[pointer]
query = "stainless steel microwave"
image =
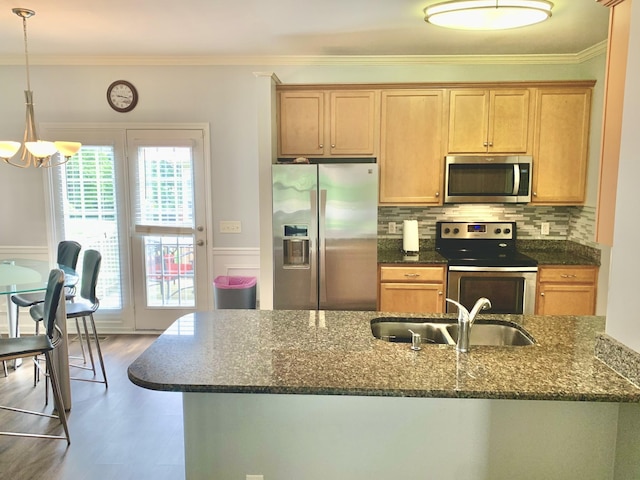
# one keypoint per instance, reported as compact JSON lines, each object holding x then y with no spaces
{"x":495,"y":179}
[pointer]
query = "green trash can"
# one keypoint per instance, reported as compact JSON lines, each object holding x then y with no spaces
{"x":234,"y":292}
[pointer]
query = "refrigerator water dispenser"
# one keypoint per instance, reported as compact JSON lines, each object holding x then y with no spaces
{"x":295,"y":246}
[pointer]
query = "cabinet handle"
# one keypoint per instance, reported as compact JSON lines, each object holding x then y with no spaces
{"x":333,"y":145}
{"x":486,"y":144}
{"x":411,"y":275}
{"x":542,"y":294}
{"x":564,"y":275}
{"x":491,"y":144}
{"x":437,"y":194}
{"x":439,"y":293}
{"x":535,"y":194}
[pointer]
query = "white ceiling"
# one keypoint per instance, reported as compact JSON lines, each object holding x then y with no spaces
{"x":216,"y":28}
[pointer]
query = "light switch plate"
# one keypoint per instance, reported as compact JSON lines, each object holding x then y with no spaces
{"x":392,"y":227}
{"x":229,"y":226}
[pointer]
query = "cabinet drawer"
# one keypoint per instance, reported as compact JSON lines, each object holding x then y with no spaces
{"x":411,"y":274}
{"x":564,"y":274}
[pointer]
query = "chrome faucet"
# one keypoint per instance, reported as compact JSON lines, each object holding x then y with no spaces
{"x":466,"y":319}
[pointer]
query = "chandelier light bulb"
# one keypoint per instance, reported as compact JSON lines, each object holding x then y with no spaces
{"x":67,"y":149}
{"x":41,"y":148}
{"x":8,"y":149}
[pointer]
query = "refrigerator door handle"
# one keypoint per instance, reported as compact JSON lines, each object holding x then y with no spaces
{"x":322,"y":241}
{"x":314,"y":244}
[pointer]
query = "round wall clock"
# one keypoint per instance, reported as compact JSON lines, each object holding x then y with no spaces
{"x":122,"y":96}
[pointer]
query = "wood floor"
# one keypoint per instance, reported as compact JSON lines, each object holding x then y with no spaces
{"x":123,"y":432}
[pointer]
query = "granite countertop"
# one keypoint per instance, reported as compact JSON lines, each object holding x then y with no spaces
{"x":546,"y":252}
{"x":334,"y":353}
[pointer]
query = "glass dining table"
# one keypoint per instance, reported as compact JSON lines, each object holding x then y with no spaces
{"x":20,"y":275}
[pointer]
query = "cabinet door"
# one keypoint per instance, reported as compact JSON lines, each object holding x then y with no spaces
{"x":411,"y":148}
{"x":353,"y":122}
{"x":567,"y":290}
{"x":468,"y":121}
{"x":301,"y":123}
{"x":560,"y":145}
{"x":489,"y":121}
{"x":508,"y":121}
{"x":412,"y":297}
{"x":566,"y":299}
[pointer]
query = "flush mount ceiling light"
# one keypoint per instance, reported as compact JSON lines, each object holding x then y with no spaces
{"x":35,"y":152}
{"x":488,"y":14}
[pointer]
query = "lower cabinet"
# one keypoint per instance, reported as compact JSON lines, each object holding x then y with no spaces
{"x":566,"y":290}
{"x":411,"y":289}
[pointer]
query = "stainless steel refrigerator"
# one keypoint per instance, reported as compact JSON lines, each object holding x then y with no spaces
{"x":325,"y":221}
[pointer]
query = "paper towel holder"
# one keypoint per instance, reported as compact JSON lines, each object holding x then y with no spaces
{"x":410,"y":238}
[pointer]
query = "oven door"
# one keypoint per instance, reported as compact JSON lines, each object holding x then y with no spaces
{"x":511,"y":290}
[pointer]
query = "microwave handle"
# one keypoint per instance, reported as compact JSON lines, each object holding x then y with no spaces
{"x":516,"y":179}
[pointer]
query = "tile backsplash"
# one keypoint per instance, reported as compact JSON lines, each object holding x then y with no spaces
{"x":565,"y":223}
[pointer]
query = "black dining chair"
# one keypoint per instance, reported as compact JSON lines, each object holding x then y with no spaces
{"x":83,"y":306}
{"x":34,"y":345}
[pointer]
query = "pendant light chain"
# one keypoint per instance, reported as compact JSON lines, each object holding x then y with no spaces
{"x":26,"y":50}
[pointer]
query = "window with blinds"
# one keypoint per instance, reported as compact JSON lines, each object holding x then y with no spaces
{"x":87,"y":190}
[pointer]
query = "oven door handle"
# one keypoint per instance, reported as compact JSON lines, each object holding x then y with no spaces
{"x":459,"y":268}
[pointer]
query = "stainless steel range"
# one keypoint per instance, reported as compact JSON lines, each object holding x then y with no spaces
{"x":483,"y":262}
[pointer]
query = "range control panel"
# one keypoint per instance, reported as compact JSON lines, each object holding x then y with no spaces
{"x":476,"y":230}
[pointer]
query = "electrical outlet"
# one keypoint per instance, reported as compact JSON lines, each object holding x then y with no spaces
{"x":392,"y":227}
{"x":544,"y":228}
{"x":255,"y":477}
{"x":228,"y":226}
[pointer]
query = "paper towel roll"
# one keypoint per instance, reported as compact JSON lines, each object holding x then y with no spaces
{"x":410,"y":237}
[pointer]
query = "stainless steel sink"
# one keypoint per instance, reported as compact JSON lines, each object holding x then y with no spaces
{"x":393,"y":329}
{"x":444,"y":332}
{"x":495,"y":334}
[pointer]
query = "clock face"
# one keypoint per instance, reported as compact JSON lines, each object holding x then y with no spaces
{"x":122,"y":96}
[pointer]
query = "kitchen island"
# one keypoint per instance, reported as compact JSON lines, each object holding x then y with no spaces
{"x":328,"y":400}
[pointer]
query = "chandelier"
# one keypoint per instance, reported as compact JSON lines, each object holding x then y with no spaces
{"x":35,"y":152}
{"x":488,"y":14}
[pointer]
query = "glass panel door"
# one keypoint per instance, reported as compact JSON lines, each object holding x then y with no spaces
{"x":169,"y":270}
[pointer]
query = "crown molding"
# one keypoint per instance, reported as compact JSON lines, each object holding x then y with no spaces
{"x":280,"y":60}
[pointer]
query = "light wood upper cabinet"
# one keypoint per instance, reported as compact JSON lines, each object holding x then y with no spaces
{"x":489,"y":121}
{"x":328,"y":123}
{"x":561,"y":141}
{"x":567,"y":290}
{"x":411,"y":146}
{"x":353,"y":121}
{"x":301,"y":123}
